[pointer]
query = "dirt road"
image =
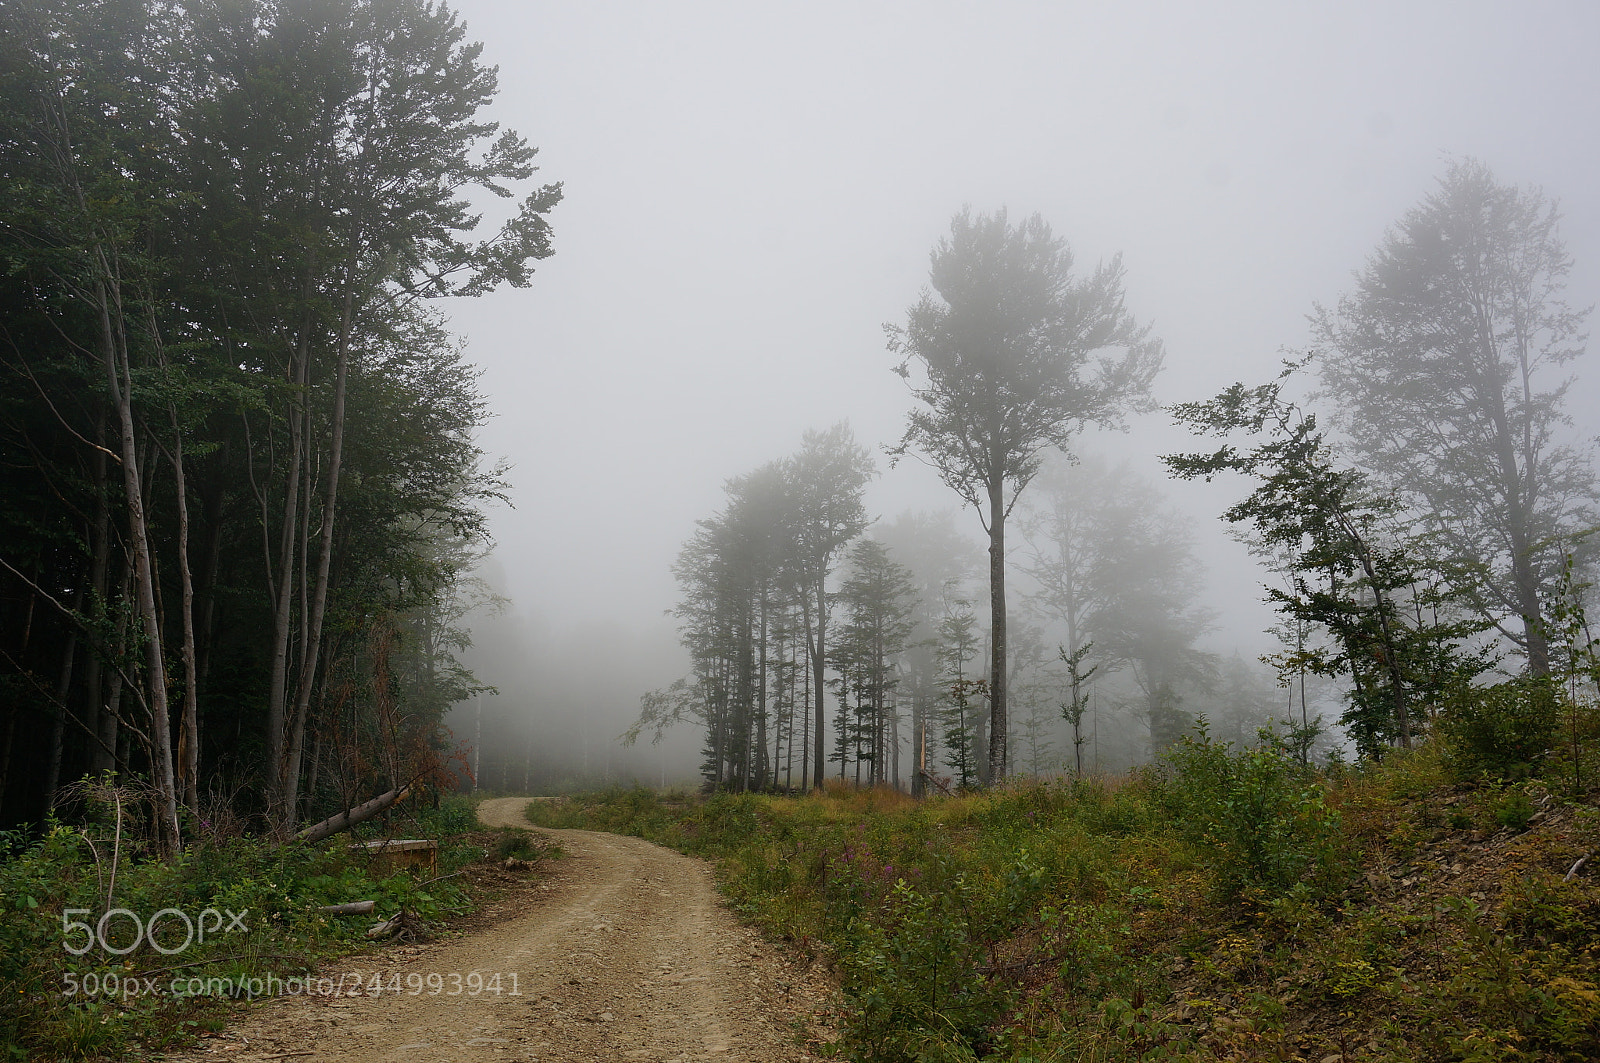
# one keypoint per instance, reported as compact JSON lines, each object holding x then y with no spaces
{"x":623,"y":953}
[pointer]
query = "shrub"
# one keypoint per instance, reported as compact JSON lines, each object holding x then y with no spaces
{"x":277,"y":889}
{"x":1266,"y":822}
{"x":911,"y":976}
{"x":1500,"y":730}
{"x":1514,"y":811}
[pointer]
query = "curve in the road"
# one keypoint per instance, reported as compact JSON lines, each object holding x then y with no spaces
{"x":625,"y":953}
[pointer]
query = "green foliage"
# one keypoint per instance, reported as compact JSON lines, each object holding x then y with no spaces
{"x":936,"y":913}
{"x":1514,"y":811}
{"x":1265,"y":821}
{"x":1482,"y":464}
{"x":1354,"y":573}
{"x":516,"y":844}
{"x":1009,"y":353}
{"x":910,"y":974}
{"x":1502,"y":729}
{"x":257,"y":289}
{"x":754,"y":581}
{"x":620,"y":810}
{"x":277,"y":890}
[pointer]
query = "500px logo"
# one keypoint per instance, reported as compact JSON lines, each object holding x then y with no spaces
{"x":193,"y":929}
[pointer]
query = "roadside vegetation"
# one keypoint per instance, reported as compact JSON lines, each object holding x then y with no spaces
{"x":1224,"y":903}
{"x":72,"y":987}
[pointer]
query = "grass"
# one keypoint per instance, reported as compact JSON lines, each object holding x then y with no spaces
{"x":106,"y":1004}
{"x":1224,"y":905}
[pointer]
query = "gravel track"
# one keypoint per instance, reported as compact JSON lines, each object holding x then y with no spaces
{"x":624,"y":952}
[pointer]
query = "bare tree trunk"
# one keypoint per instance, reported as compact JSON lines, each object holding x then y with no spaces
{"x":316,"y":750}
{"x":919,"y":740}
{"x":819,"y":753}
{"x":206,"y":620}
{"x":997,"y":631}
{"x":119,"y":378}
{"x":894,"y":735}
{"x":283,"y":599}
{"x":345,"y":820}
{"x":102,"y":753}
{"x":319,"y":735}
{"x":58,"y":715}
{"x":805,"y":710}
{"x":294,"y":719}
{"x":189,"y":729}
{"x":111,"y":733}
{"x":759,"y":770}
{"x":319,"y":597}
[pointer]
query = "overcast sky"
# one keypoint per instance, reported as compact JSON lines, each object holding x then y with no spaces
{"x":752,"y":191}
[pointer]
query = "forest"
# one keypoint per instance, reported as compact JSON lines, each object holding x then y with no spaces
{"x":242,"y":495}
{"x":245,"y":503}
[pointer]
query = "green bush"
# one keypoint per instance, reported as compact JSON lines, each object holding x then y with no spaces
{"x":1514,"y":810}
{"x":1501,"y":730}
{"x":515,"y":844}
{"x":910,"y":976}
{"x":276,"y":888}
{"x":1265,"y":821}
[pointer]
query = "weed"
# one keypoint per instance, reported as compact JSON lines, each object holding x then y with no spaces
{"x":1204,"y":909}
{"x":516,"y":844}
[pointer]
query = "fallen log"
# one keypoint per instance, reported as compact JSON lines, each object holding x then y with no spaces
{"x":345,"y":820}
{"x":353,"y":908}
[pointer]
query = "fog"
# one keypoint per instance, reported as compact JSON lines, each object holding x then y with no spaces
{"x":752,"y":191}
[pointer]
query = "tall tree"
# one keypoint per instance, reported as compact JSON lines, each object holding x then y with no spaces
{"x":1352,"y":573}
{"x":725,"y":572}
{"x":745,"y":575}
{"x":1115,"y":566}
{"x":83,"y":207}
{"x":827,"y":479}
{"x":348,"y":133}
{"x":1155,"y":623}
{"x":958,"y":644}
{"x":1064,"y":547}
{"x":1013,"y":353}
{"x":878,"y":597}
{"x":942,"y":562}
{"x":1446,"y":367}
{"x":254,"y":440}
